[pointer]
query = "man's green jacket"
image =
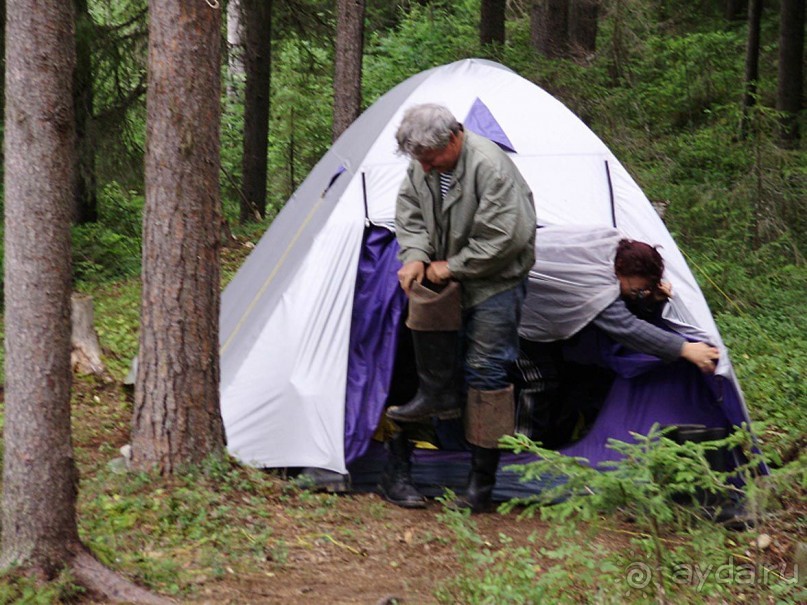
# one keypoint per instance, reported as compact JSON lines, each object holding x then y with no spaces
{"x":484,"y":228}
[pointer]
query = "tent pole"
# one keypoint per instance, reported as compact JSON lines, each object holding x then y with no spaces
{"x":364,"y":196}
{"x":611,"y":194}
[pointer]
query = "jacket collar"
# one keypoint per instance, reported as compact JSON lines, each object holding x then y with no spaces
{"x":432,"y":178}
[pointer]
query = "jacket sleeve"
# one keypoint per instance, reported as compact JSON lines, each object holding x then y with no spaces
{"x":410,"y":227}
{"x":501,"y":229}
{"x":630,"y":331}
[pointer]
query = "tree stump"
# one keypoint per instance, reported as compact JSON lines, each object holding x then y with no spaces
{"x":85,"y":355}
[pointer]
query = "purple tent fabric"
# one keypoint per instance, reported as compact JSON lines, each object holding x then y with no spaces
{"x":481,"y":121}
{"x":645,"y":391}
{"x":378,"y":305}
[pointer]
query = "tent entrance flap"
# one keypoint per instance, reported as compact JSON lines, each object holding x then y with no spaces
{"x":378,"y":308}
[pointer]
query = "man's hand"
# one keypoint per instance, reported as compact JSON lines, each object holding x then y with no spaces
{"x":438,"y":272}
{"x":413,"y":271}
{"x":702,"y":355}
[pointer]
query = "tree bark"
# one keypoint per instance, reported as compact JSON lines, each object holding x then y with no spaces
{"x":734,"y":10}
{"x":583,"y":21}
{"x":347,"y":64}
{"x":491,"y":22}
{"x":39,"y":475}
{"x":789,"y":94}
{"x":176,"y":418}
{"x":2,"y":52}
{"x":235,"y":47}
{"x":257,"y":62}
{"x":549,"y":26}
{"x":86,"y":201}
{"x":751,"y":62}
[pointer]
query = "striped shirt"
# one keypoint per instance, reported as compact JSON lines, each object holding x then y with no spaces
{"x":445,"y":182}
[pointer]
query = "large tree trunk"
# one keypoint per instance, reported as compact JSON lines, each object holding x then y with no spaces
{"x":39,"y":474}
{"x":491,"y":22}
{"x":2,"y":52}
{"x":347,"y":64}
{"x":86,"y":203}
{"x":791,"y":56}
{"x":549,"y":26}
{"x":751,"y":62}
{"x":176,"y":416}
{"x":583,"y":20}
{"x":257,"y":62}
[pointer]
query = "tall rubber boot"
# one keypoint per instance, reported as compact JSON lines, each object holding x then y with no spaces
{"x":396,"y":481}
{"x":435,"y":320}
{"x":438,"y":371}
{"x":479,"y":493}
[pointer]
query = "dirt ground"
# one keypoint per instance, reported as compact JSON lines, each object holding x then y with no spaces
{"x":395,"y":556}
{"x":361,"y":550}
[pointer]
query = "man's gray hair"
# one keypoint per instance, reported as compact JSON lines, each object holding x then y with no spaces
{"x":424,"y":128}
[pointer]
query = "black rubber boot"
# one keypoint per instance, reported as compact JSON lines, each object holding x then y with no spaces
{"x":438,"y":372}
{"x":396,"y":481}
{"x":725,"y":508}
{"x":479,"y":493}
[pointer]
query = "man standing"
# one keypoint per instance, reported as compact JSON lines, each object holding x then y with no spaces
{"x":465,"y":214}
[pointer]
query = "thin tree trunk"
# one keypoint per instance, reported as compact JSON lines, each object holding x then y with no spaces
{"x":751,"y":62}
{"x":549,"y":25}
{"x":347,"y":64}
{"x":235,"y":47}
{"x":789,"y":94}
{"x":39,"y":475}
{"x":583,"y":21}
{"x":86,"y":202}
{"x":257,"y":61}
{"x":734,"y":10}
{"x":176,"y":418}
{"x":491,"y":22}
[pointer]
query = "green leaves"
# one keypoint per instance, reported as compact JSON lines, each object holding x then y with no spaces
{"x":633,"y":532}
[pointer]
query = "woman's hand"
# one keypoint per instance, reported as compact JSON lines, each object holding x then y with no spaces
{"x":702,"y":355}
{"x":663,"y":291}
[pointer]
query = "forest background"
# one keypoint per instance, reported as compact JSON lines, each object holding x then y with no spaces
{"x":665,"y":85}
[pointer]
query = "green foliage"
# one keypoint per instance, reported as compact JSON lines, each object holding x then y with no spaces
{"x":489,"y":574}
{"x":23,"y":590}
{"x":135,"y":523}
{"x":301,"y":108}
{"x":210,"y":521}
{"x":673,"y":553}
{"x":119,"y":47}
{"x":109,"y":248}
{"x":117,"y":317}
{"x":677,"y":80}
{"x":425,"y":37}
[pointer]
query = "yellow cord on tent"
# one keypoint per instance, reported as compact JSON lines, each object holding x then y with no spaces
{"x":774,"y":345}
{"x":711,"y":282}
{"x":272,"y":275}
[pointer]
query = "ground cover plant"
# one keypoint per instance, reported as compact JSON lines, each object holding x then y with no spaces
{"x":223,"y":533}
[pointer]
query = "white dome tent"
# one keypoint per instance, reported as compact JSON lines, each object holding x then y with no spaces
{"x":299,"y":386}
